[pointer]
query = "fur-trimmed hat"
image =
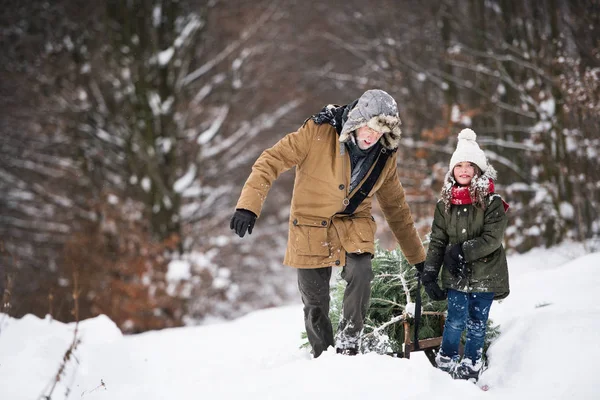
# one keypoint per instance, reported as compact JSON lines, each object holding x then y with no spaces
{"x":379,"y":111}
{"x":467,"y":149}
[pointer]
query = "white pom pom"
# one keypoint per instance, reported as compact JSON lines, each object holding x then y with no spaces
{"x":467,"y":134}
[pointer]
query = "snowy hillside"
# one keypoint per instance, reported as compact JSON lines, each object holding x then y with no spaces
{"x":548,"y":349}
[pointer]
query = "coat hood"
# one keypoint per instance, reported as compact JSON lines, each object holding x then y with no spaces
{"x":479,"y":188}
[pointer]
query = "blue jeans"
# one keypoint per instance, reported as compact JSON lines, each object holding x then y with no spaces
{"x":470,"y":311}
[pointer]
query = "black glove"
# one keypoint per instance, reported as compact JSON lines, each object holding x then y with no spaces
{"x":454,"y":260}
{"x":419,"y":267}
{"x":241,"y":221}
{"x":434,"y":291}
{"x":429,"y":274}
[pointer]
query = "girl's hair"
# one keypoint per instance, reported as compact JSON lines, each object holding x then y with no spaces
{"x":479,"y":188}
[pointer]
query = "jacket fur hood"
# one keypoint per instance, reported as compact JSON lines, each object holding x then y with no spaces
{"x":338,"y":117}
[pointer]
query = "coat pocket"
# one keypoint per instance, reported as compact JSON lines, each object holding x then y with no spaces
{"x":308,"y":236}
{"x":362,"y":230}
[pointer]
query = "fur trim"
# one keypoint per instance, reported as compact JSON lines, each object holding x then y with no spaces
{"x":377,"y":110}
{"x":479,"y":188}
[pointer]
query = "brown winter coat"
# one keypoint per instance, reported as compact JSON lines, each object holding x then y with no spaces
{"x":318,"y":235}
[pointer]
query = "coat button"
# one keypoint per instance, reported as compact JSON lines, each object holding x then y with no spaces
{"x":324,"y":223}
{"x":337,"y":262}
{"x":295,"y":222}
{"x":342,"y":187}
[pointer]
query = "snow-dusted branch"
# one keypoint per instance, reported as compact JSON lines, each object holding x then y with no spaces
{"x":206,"y":136}
{"x":502,"y":58}
{"x":402,"y":277}
{"x":393,"y":303}
{"x":245,"y":35}
{"x":248,"y":130}
{"x":495,"y":73}
{"x":382,"y":327}
{"x":353,"y":49}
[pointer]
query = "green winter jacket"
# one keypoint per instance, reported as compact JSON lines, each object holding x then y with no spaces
{"x":481,"y":233}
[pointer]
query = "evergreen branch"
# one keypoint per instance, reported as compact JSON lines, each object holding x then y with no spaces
{"x":388,"y":302}
{"x":406,"y":289}
{"x":387,"y":276}
{"x":392,"y":321}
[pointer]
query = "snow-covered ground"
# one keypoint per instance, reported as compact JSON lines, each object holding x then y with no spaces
{"x":548,"y":349}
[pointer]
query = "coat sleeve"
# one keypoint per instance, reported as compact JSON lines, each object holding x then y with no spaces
{"x":490,"y":240}
{"x":288,"y":152}
{"x":393,"y":203}
{"x":438,"y":239}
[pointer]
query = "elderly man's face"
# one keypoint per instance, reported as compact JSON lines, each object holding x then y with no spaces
{"x":367,"y":137}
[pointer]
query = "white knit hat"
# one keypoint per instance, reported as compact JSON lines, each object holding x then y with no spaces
{"x":467,"y":149}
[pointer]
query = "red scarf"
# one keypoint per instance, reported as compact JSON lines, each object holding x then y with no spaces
{"x":461,"y":195}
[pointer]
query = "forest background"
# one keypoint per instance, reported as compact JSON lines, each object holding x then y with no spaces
{"x":127,"y":129}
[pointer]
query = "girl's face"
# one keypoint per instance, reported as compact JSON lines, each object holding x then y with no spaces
{"x":464,"y":173}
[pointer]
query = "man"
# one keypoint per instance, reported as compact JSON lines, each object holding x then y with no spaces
{"x":343,"y":156}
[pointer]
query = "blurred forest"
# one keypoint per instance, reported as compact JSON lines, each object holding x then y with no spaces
{"x":129,"y":127}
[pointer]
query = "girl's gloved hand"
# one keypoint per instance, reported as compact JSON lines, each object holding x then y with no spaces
{"x":454,"y":261}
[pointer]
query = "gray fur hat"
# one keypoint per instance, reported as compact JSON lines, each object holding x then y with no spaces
{"x":379,"y":111}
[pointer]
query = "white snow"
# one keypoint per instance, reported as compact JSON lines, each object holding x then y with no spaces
{"x":146,"y":184}
{"x":455,"y":113}
{"x":547,"y":108}
{"x":112,"y":199}
{"x":548,"y":349}
{"x":186,"y":180}
{"x":501,"y":89}
{"x":214,"y":128}
{"x":567,"y":211}
{"x":156,"y":16}
{"x":178,"y":270}
{"x":165,"y":56}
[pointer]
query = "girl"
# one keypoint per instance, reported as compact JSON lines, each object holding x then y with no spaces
{"x":466,"y":238}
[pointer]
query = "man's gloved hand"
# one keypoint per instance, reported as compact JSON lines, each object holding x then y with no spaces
{"x":420,"y":266}
{"x":429,"y":274}
{"x":454,"y":260}
{"x":241,"y":221}
{"x":434,"y":291}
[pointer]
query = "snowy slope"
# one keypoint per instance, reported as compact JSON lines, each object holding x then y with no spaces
{"x":547,"y":350}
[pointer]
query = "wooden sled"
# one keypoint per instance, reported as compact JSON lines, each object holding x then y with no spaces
{"x":429,"y":346}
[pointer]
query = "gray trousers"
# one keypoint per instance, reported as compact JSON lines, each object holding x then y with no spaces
{"x":314,"y":290}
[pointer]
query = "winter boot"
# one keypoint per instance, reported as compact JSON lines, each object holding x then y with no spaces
{"x":348,"y":351}
{"x":468,"y":370}
{"x":446,"y":363}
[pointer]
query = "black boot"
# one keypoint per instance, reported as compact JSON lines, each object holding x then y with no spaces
{"x":348,"y":351}
{"x":468,"y":370}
